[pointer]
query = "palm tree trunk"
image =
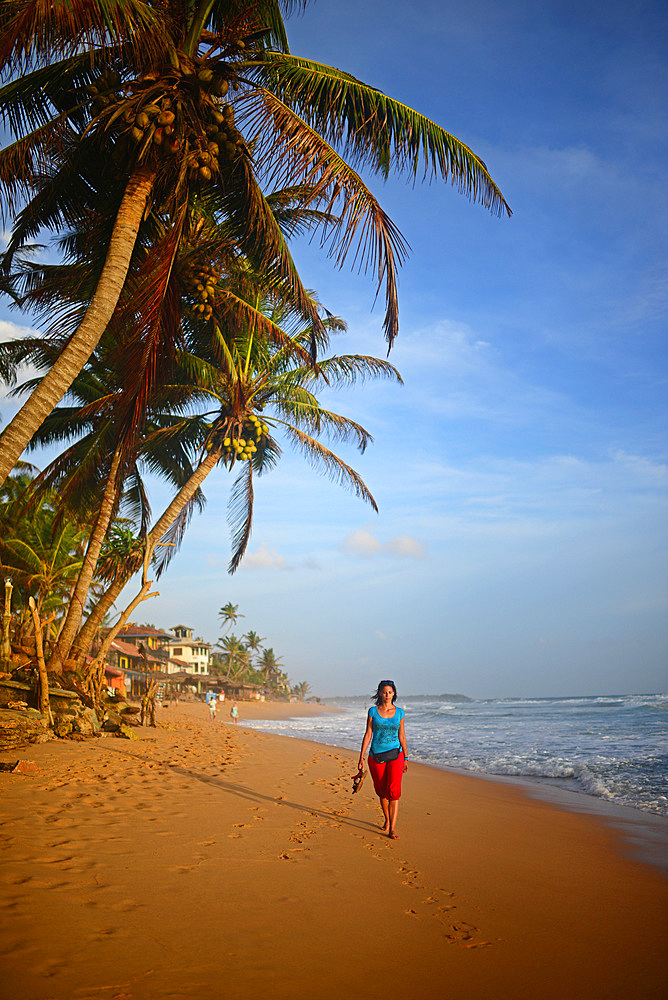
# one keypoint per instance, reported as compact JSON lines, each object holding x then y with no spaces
{"x":96,"y":668}
{"x":44,"y":705}
{"x":83,"y":342}
{"x":78,"y":598}
{"x":86,"y":635}
{"x":185,"y":494}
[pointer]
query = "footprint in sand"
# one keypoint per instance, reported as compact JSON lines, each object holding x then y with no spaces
{"x":462,"y":934}
{"x":126,"y":905}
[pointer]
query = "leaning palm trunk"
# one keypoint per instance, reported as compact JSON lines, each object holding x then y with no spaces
{"x":86,"y":636}
{"x":185,"y":494}
{"x":95,"y":671}
{"x":83,"y":342}
{"x":78,"y":597}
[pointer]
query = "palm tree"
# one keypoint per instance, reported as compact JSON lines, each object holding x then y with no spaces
{"x":42,"y":552}
{"x":236,"y":656}
{"x":260,"y":388}
{"x":269,"y":665}
{"x":253,"y":641}
{"x":229,"y":614}
{"x":301,"y":690}
{"x":143,"y":107}
{"x":101,"y":468}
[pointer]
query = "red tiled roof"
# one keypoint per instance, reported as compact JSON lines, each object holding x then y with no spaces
{"x":144,"y":630}
{"x":128,"y":649}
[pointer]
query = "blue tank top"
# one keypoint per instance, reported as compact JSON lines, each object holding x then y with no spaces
{"x":385,"y":731}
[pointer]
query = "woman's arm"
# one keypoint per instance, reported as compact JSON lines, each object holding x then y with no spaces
{"x":402,"y":740}
{"x":366,"y":741}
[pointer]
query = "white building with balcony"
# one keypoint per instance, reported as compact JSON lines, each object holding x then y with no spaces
{"x":195,"y":653}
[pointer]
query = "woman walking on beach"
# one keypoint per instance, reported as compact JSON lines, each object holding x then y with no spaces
{"x":388,"y":758}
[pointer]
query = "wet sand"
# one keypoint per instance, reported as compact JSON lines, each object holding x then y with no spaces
{"x":212,"y":861}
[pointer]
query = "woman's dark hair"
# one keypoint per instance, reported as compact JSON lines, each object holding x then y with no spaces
{"x":380,"y":687}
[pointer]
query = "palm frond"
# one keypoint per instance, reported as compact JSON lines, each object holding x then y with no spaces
{"x":171,"y":540}
{"x":318,"y":455}
{"x":292,"y":148}
{"x":347,"y":369}
{"x":39,"y":30}
{"x":299,"y":406}
{"x":374,"y":129}
{"x":240,"y":514}
{"x":254,"y":229}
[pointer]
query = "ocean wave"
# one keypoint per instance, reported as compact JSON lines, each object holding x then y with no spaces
{"x":517,"y":768}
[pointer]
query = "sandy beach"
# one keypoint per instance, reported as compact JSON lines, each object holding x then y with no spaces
{"x":206,"y":860}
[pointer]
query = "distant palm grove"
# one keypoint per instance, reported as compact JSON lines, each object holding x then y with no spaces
{"x":163,"y":156}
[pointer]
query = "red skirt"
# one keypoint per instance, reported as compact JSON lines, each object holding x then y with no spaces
{"x":387,"y":777}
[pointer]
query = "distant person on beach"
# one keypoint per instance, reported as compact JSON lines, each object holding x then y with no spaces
{"x":234,"y":713}
{"x":388,"y":758}
{"x":212,"y":708}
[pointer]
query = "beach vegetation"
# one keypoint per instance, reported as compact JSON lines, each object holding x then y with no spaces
{"x":301,"y":690}
{"x":41,"y":550}
{"x":227,"y":382}
{"x":243,"y":659}
{"x":124,"y":115}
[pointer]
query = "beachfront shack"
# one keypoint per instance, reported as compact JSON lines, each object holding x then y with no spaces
{"x":238,"y":690}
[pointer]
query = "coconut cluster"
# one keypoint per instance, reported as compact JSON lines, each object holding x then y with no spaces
{"x":179,"y":107}
{"x":103,"y":89}
{"x":244,"y":446}
{"x":200,"y":282}
{"x":224,"y":141}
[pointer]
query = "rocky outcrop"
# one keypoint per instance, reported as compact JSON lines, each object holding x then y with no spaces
{"x":20,"y":727}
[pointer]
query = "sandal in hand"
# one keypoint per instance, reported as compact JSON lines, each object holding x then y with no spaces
{"x":358,"y":781}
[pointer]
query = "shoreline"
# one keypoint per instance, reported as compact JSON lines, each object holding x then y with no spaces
{"x":643,"y":835}
{"x":215,"y":861}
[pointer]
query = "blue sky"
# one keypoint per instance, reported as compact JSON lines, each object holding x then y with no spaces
{"x":521,"y":470}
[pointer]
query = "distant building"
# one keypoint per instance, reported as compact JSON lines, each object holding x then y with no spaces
{"x":155,"y":642}
{"x":195,"y":653}
{"x":140,"y":651}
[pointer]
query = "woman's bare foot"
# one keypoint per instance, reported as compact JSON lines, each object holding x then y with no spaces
{"x":392,"y":835}
{"x":386,"y":827}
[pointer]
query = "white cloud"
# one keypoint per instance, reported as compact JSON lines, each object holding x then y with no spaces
{"x":264,"y":558}
{"x":644,"y":470}
{"x":364,"y":543}
{"x":404,"y":545}
{"x":12,"y":331}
